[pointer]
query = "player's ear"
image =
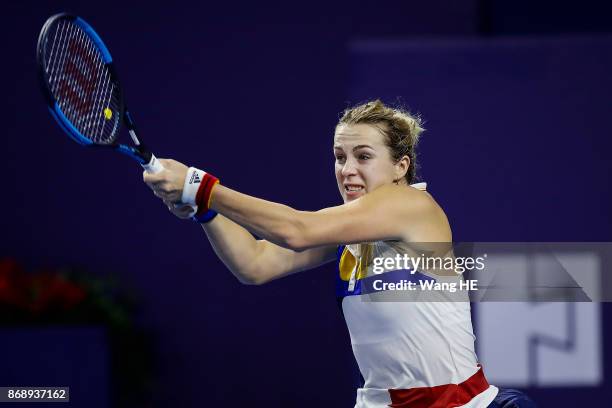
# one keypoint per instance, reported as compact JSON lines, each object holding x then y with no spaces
{"x":401,"y":167}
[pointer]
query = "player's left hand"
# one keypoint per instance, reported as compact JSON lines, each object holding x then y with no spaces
{"x":168,"y":183}
{"x":182,"y":211}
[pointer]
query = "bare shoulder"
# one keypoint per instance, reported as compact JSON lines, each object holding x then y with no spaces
{"x":406,"y":199}
{"x":425,"y":219}
{"x":390,"y":212}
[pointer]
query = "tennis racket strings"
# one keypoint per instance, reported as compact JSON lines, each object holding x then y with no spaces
{"x":79,"y":77}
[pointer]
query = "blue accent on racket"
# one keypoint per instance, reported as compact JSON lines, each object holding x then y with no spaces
{"x":96,"y":38}
{"x":130,"y":152}
{"x":65,"y":124}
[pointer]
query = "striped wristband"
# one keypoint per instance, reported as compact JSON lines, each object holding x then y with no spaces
{"x":197,"y":190}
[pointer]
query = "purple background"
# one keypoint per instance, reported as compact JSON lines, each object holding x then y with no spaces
{"x":516,"y":149}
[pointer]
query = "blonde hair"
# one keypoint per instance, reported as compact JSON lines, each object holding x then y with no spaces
{"x":400,"y":128}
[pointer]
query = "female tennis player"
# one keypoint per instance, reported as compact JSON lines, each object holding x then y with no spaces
{"x":410,"y":353}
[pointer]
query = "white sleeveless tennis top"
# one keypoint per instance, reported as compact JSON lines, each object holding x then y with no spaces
{"x":410,"y":352}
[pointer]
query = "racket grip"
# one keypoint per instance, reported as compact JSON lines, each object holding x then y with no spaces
{"x":154,"y":166}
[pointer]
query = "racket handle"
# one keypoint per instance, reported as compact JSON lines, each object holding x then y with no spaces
{"x":154,"y":166}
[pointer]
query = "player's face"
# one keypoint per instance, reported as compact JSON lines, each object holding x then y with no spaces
{"x":363,"y":160}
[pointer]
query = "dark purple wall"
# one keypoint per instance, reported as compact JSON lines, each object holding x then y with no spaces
{"x":251,"y":93}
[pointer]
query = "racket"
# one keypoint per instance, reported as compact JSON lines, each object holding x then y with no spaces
{"x":82,"y":90}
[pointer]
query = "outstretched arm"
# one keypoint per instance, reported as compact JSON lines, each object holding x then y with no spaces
{"x":259,"y":261}
{"x":388,"y":213}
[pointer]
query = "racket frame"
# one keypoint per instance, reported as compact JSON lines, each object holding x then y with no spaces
{"x":139,"y":152}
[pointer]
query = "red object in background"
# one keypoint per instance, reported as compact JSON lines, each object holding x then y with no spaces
{"x":12,"y":284}
{"x":37,"y":292}
{"x":53,"y":290}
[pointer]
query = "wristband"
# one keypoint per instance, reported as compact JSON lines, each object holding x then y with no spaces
{"x":193,"y":180}
{"x":204,"y":193}
{"x":204,"y":218}
{"x":197,"y":190}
